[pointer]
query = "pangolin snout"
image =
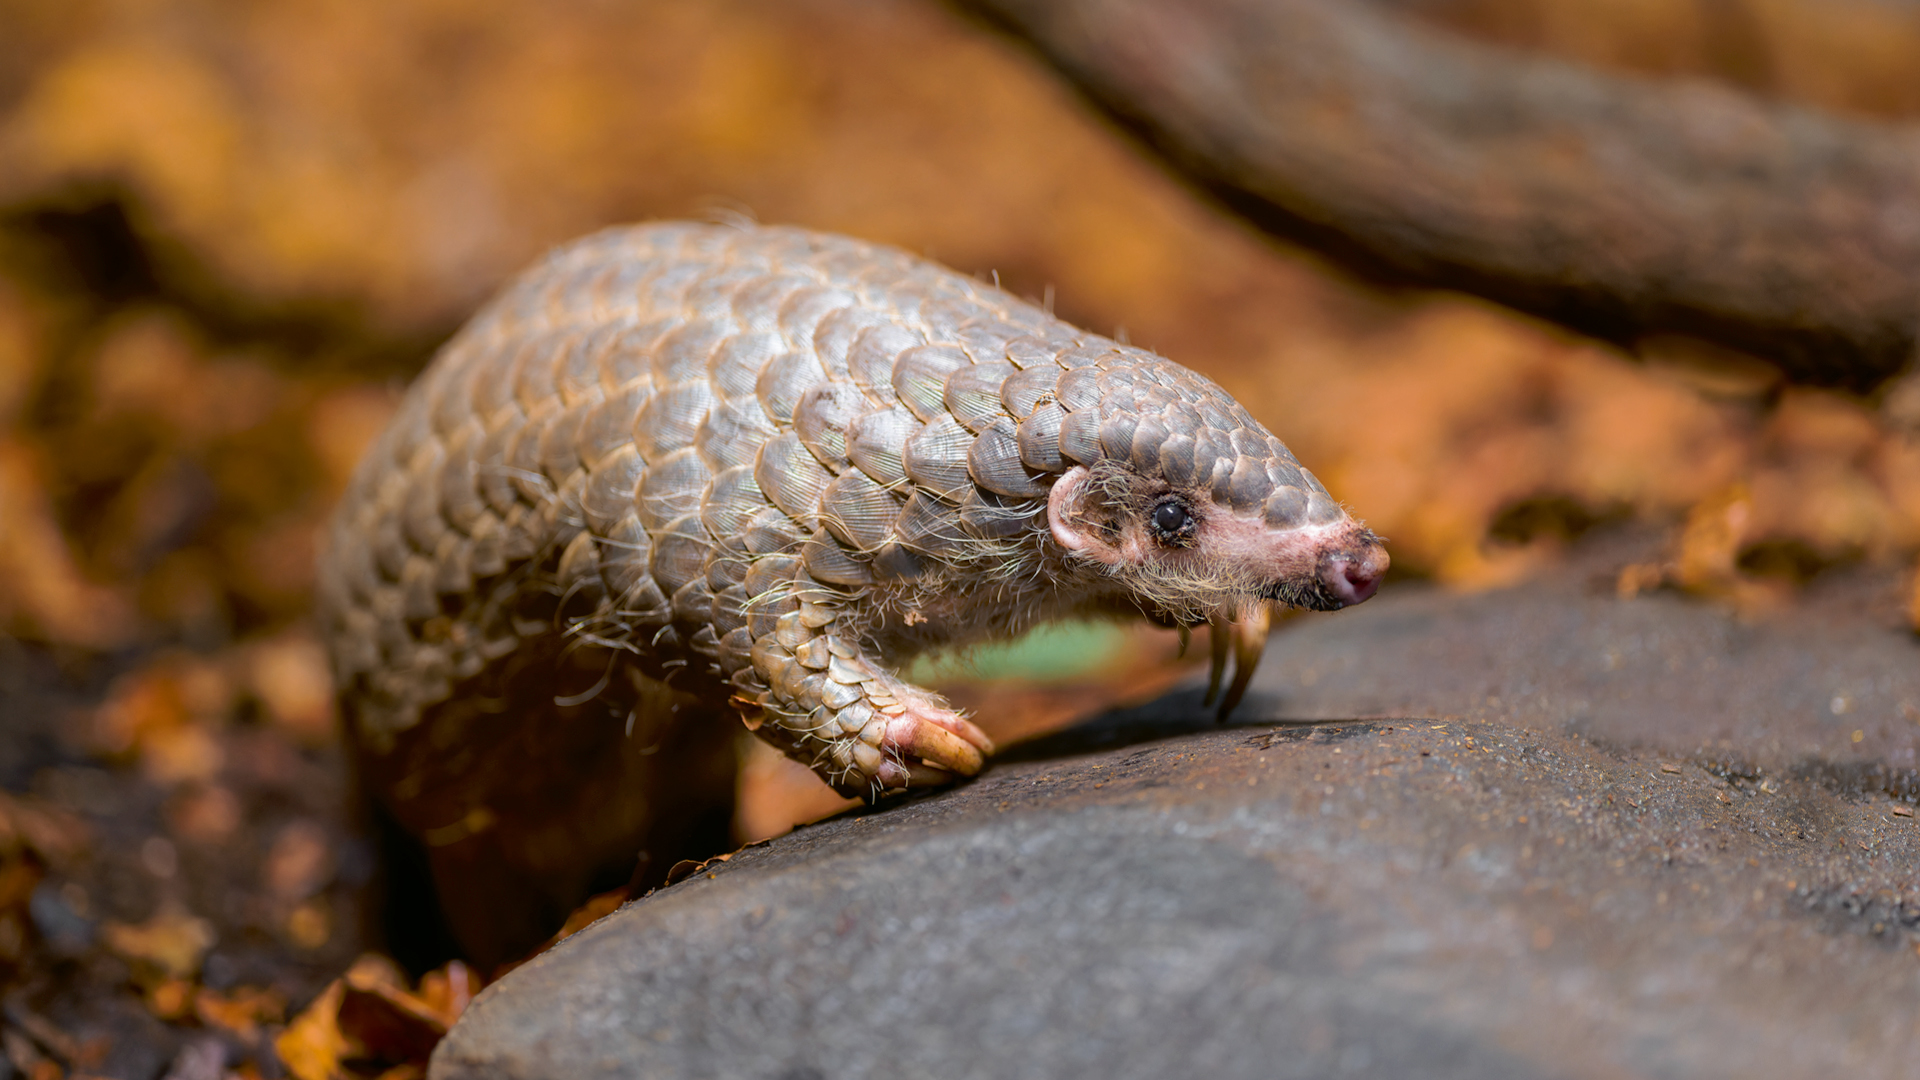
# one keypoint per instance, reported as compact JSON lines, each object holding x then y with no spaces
{"x":1352,"y":573}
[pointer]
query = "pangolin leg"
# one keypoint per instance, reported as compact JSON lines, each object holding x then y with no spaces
{"x":872,"y":734}
{"x":855,"y":723}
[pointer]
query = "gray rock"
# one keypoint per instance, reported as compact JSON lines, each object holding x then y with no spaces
{"x":1550,"y":834}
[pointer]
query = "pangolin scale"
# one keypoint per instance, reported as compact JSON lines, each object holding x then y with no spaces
{"x":758,"y":469}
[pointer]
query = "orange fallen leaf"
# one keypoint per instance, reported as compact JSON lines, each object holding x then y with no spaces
{"x":372,"y":969}
{"x":686,"y":868}
{"x":1637,"y":578}
{"x":388,"y":1024}
{"x":204,"y":814}
{"x":43,"y":593}
{"x":170,"y":999}
{"x":137,"y":705}
{"x":181,"y":754}
{"x":309,"y":926}
{"x":312,"y":1047}
{"x":173,"y":940}
{"x":369,"y":1017}
{"x":55,"y":834}
{"x":449,"y":990}
{"x":595,"y":909}
{"x":300,"y":862}
{"x":1710,"y":542}
{"x":291,"y":678}
{"x":241,"y":1011}
{"x":1913,"y":600}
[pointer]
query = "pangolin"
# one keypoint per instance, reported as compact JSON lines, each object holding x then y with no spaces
{"x":680,"y":469}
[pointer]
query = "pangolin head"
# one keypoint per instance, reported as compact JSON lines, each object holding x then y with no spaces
{"x":1193,"y":509}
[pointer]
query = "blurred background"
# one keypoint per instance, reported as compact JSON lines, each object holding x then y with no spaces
{"x":231,"y":231}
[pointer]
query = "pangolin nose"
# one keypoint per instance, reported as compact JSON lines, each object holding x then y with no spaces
{"x":1351,"y":577}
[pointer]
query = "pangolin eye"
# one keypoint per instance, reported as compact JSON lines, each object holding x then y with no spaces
{"x":1172,"y":523}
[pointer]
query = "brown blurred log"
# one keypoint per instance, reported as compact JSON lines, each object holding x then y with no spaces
{"x":1619,"y":206}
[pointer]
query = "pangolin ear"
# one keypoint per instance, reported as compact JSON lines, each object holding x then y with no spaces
{"x":1076,"y":520}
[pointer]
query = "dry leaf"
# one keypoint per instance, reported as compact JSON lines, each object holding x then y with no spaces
{"x":300,"y":862}
{"x":449,"y":990}
{"x":137,"y":706}
{"x":312,"y":1046}
{"x":372,"y":969}
{"x":204,"y":814}
{"x":389,"y":1024}
{"x":55,"y":834}
{"x":369,"y":1016}
{"x":291,"y":678}
{"x":174,"y":940}
{"x":310,"y":925}
{"x":181,"y":754}
{"x":1710,"y":544}
{"x":43,"y":594}
{"x":596,"y":908}
{"x":241,"y":1011}
{"x":170,"y":999}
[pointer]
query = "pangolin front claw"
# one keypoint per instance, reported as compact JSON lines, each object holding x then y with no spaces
{"x":939,"y":737}
{"x":1219,"y":629}
{"x":918,"y":743}
{"x":924,"y":746}
{"x":1248,"y":634}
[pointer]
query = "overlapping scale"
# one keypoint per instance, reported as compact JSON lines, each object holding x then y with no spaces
{"x":1039,"y":437}
{"x":973,"y":394}
{"x":877,"y":442}
{"x":858,"y":511}
{"x":792,"y":478}
{"x":671,"y":488}
{"x":935,"y":458}
{"x":920,"y":378}
{"x":785,"y":380}
{"x":871,"y":359}
{"x":670,"y":418}
{"x":995,"y":464}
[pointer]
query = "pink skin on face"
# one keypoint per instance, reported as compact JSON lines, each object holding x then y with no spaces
{"x":1341,"y":561}
{"x":922,"y":742}
{"x":1342,"y":556}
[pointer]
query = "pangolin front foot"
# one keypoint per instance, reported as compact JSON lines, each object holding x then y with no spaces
{"x":922,"y":742}
{"x":808,"y":687}
{"x":869,"y":734}
{"x":893,"y":736}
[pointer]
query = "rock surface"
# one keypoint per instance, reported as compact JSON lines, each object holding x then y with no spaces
{"x":1537,"y":833}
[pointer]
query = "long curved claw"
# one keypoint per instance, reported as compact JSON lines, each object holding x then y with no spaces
{"x":1218,"y":629}
{"x":939,"y":742}
{"x":1249,"y":642}
{"x":920,"y":743}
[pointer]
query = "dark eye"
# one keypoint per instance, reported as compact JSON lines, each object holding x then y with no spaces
{"x":1172,"y":523}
